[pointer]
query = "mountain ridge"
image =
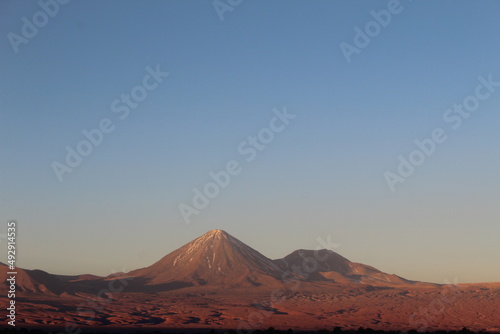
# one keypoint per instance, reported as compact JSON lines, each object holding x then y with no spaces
{"x":216,"y":259}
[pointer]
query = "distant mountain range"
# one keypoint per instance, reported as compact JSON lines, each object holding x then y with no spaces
{"x":218,"y":260}
{"x":217,"y":281}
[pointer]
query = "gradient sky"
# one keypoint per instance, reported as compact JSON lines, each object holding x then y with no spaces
{"x":322,"y":176}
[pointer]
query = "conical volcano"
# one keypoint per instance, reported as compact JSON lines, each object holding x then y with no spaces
{"x":215,"y":258}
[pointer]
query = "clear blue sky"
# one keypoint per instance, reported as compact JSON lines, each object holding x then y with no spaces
{"x":322,"y":176}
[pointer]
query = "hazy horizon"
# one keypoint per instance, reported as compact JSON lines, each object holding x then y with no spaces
{"x":336,"y":124}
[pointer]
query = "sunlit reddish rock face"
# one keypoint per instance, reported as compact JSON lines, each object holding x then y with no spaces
{"x":215,"y":258}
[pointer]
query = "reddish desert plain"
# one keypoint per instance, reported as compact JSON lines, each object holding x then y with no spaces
{"x":218,"y":282}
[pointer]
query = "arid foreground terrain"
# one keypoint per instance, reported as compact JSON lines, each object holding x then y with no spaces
{"x":216,"y":281}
